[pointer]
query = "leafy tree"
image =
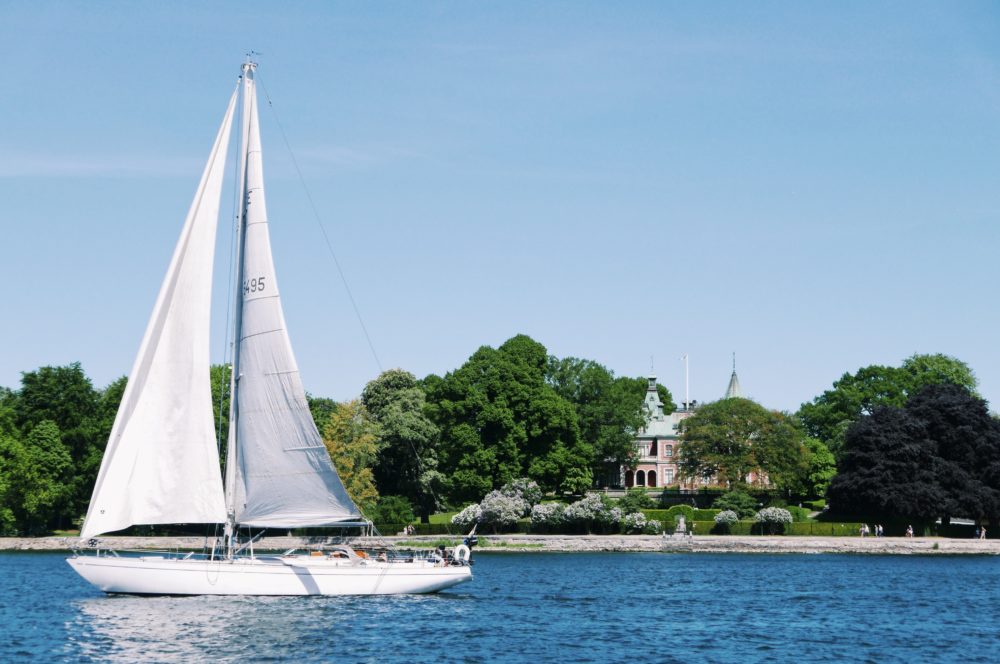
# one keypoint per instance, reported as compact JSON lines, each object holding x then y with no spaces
{"x":820,"y":469}
{"x":39,"y":475}
{"x":829,"y":415}
{"x":635,"y":500}
{"x":937,"y":457}
{"x":500,"y":420}
{"x":392,"y":510}
{"x":321,"y":409}
{"x":889,"y":470}
{"x":967,"y":442}
{"x":731,"y":438}
{"x":350,"y":438}
{"x":220,"y":376}
{"x":742,"y":504}
{"x":609,"y":409}
{"x":407,"y":461}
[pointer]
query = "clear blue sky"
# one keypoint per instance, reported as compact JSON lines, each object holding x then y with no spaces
{"x":815,"y":186}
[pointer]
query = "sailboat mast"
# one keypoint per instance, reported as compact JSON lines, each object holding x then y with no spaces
{"x":234,"y":385}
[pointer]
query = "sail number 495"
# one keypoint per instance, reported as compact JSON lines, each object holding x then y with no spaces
{"x":254,"y":285}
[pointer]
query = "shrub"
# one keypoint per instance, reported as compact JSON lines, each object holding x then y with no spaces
{"x":548,"y":516}
{"x":705,"y":515}
{"x":525,"y":489}
{"x":737,"y":501}
{"x":798,"y":513}
{"x":593,"y":510}
{"x":727,"y":517}
{"x":501,"y":510}
{"x":634,"y":522}
{"x":635,"y":500}
{"x":470,"y":515}
{"x":773,"y":518}
{"x":653,"y":527}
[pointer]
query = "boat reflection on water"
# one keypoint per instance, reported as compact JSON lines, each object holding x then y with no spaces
{"x":171,"y":628}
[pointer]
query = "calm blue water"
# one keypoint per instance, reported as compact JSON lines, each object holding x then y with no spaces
{"x":541,"y":608}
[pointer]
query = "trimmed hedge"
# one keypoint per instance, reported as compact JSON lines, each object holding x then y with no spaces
{"x":799,"y":528}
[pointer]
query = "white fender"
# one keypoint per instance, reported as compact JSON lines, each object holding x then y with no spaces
{"x":462,"y":553}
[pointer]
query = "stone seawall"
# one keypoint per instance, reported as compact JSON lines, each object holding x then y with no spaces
{"x":557,"y":543}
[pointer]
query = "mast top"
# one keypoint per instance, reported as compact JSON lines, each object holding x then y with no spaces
{"x":250,"y":64}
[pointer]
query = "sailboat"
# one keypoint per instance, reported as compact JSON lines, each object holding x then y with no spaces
{"x":161,"y":463}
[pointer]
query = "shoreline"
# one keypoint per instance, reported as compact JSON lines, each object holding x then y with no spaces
{"x":559,"y":544}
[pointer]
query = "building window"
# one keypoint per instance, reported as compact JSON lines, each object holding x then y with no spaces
{"x":668,"y":476}
{"x":652,"y":448}
{"x":640,"y":478}
{"x":668,"y":450}
{"x":652,"y":478}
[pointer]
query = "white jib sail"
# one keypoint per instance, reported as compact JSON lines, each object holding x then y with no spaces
{"x":284,"y":476}
{"x":161,"y":464}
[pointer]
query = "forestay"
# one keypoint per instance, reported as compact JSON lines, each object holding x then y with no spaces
{"x":284,"y":476}
{"x":161,"y":464}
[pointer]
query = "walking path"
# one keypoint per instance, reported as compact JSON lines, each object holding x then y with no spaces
{"x":560,"y":543}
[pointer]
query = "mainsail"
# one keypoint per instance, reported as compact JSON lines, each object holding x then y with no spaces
{"x":161,"y":464}
{"x":283,"y":474}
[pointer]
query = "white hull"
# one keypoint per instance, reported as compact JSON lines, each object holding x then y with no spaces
{"x":265,"y":575}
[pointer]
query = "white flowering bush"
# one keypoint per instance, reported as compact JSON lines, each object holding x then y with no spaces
{"x":500,"y":510}
{"x":470,"y":515}
{"x":548,"y":516}
{"x":773,"y":518}
{"x":593,"y":510}
{"x":653,"y":527}
{"x":727,"y":518}
{"x":634,"y":522}
{"x":523,"y":488}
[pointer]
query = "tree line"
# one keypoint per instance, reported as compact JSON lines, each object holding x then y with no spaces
{"x":408,"y":447}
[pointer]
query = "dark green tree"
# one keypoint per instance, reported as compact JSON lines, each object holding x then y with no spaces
{"x":731,"y":438}
{"x":500,"y":420}
{"x":937,"y":457}
{"x":889,"y":470}
{"x":828,"y":416}
{"x":407,"y":461}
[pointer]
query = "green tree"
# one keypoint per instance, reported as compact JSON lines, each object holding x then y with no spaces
{"x":350,"y":438}
{"x":321,"y":409}
{"x":220,"y":376}
{"x":392,"y":510}
{"x":66,"y":397}
{"x":821,"y":468}
{"x":731,"y":438}
{"x":38,"y":479}
{"x":500,"y":420}
{"x":608,"y":409}
{"x":740,"y":502}
{"x":830,"y":414}
{"x":407,"y":460}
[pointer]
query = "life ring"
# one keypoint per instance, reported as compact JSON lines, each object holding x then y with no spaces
{"x":462,"y":553}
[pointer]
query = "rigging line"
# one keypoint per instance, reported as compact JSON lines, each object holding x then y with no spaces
{"x":319,"y":222}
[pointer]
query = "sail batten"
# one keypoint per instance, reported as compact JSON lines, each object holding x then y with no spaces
{"x":161,"y":461}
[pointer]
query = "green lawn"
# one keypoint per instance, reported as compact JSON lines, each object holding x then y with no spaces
{"x":442,"y":517}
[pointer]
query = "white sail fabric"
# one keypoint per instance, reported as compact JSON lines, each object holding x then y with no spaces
{"x":284,"y":476}
{"x":161,"y":464}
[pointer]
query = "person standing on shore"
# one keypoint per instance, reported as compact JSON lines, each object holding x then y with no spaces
{"x":982,"y":533}
{"x":909,"y":531}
